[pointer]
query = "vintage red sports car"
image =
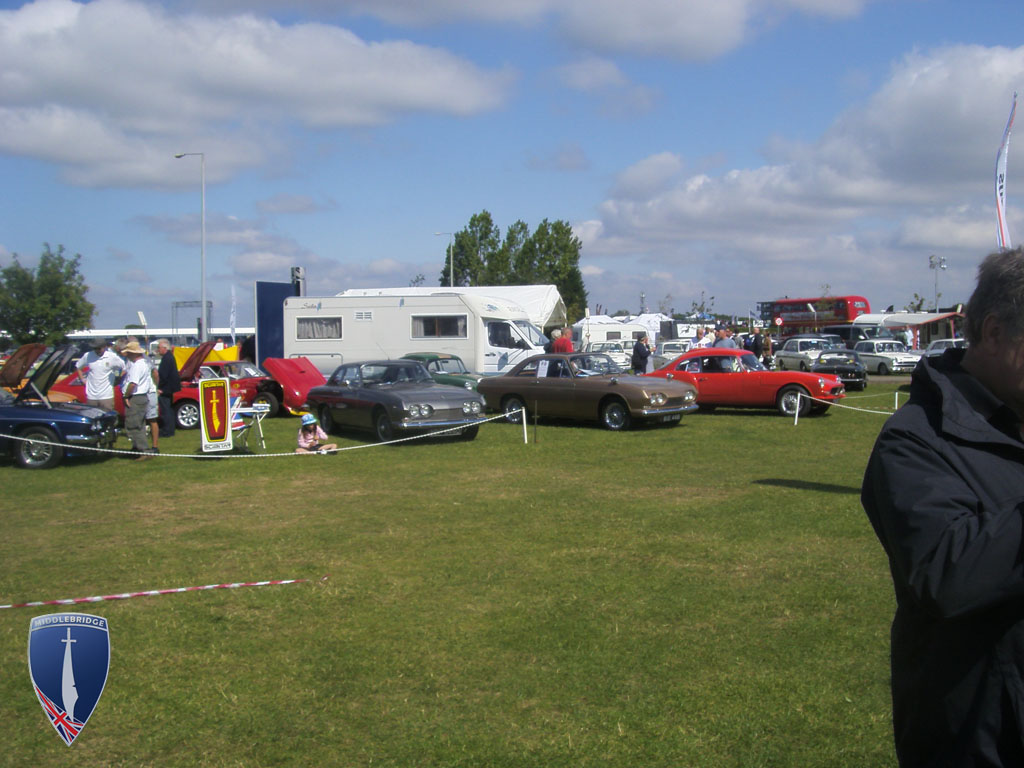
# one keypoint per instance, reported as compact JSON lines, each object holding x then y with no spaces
{"x":735,"y":378}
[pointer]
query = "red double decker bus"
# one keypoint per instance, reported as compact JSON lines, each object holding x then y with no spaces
{"x":811,"y":315}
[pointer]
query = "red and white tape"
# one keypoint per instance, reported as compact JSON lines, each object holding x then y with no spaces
{"x":152,"y":592}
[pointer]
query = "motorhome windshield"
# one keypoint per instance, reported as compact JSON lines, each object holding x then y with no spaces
{"x":878,"y":332}
{"x":532,"y":333}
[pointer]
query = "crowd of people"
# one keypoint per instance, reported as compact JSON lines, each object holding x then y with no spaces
{"x":147,"y":388}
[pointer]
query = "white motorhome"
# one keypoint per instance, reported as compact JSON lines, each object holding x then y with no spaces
{"x":600,"y":328}
{"x":489,"y":334}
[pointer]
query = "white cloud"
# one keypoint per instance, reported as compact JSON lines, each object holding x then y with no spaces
{"x":110,"y":89}
{"x":569,"y":158}
{"x":592,"y":73}
{"x":909,"y":172}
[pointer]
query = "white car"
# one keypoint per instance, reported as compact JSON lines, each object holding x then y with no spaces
{"x":800,"y":354}
{"x":937,"y":347}
{"x":619,"y":351}
{"x":672,"y":349}
{"x":884,"y":356}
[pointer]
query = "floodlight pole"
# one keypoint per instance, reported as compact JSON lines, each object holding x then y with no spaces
{"x":203,"y":314}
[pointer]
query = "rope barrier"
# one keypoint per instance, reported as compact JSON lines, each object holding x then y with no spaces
{"x":152,"y":592}
{"x":796,"y":411}
{"x":226,"y":455}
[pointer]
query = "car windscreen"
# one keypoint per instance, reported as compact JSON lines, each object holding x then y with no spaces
{"x":394,"y":373}
{"x":532,"y":333}
{"x":450,"y":365}
{"x":751,"y":363}
{"x":593,"y":365}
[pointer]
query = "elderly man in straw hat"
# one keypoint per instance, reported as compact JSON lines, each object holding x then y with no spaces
{"x":138,"y":383}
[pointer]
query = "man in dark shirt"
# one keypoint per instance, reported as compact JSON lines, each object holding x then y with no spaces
{"x":168,"y":382}
{"x":944,"y":490}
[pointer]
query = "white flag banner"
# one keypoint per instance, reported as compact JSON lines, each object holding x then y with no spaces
{"x":232,"y":314}
{"x":1003,"y":233}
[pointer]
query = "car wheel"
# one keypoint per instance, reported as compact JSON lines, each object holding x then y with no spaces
{"x":883,"y":369}
{"x":326,"y":420}
{"x":38,"y":455}
{"x":780,"y":365}
{"x":514,"y":409}
{"x":186,"y":414}
{"x":786,"y":402}
{"x":269,"y":399}
{"x":383,"y":428}
{"x":615,"y":415}
{"x":804,"y":367}
{"x":469,"y":433}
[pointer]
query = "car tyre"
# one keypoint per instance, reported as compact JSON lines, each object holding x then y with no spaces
{"x":382,"y":427}
{"x":514,"y":408}
{"x":326,"y":420}
{"x":269,"y":399}
{"x":37,"y":455}
{"x":186,"y":414}
{"x":883,"y":369}
{"x":804,"y":367}
{"x":780,"y":365}
{"x":615,"y":415}
{"x":786,"y":402}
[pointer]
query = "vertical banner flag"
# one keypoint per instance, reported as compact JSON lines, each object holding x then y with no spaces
{"x":1002,"y":233}
{"x":68,"y":682}
{"x":233,"y":304}
{"x":214,"y":415}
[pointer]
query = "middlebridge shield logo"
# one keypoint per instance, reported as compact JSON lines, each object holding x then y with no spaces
{"x":68,"y":660}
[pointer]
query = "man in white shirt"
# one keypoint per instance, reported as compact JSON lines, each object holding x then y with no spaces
{"x":99,"y":369}
{"x":138,"y":383}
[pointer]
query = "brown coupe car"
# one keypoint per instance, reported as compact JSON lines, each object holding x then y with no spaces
{"x":586,"y":387}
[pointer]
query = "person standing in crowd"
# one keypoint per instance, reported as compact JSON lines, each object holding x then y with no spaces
{"x":757,"y":344}
{"x":167,"y":383}
{"x":641,"y":353}
{"x":944,"y":491}
{"x":562,"y":345}
{"x":138,"y":382}
{"x":99,"y":369}
{"x":724,"y":338}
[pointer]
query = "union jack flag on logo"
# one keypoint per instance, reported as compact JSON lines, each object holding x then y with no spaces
{"x":68,"y":661}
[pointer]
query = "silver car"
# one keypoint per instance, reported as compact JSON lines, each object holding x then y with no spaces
{"x":884,"y":357}
{"x":800,"y":354}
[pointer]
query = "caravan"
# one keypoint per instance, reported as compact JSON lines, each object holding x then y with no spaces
{"x":489,"y":334}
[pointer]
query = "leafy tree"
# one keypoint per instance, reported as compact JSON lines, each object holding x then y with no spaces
{"x":46,"y":304}
{"x":418,"y":281}
{"x":916,"y":304}
{"x":550,"y":255}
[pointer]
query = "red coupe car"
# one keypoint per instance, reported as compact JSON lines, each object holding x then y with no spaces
{"x":735,"y":378}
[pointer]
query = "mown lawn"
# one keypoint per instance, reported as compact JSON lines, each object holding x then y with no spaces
{"x":705,"y":595}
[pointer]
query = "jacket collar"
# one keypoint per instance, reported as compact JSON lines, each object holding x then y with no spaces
{"x":969,"y":409}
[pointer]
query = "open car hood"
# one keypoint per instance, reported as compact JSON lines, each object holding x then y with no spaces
{"x":296,"y":375}
{"x":46,"y":374}
{"x":199,"y":354}
{"x":17,"y":364}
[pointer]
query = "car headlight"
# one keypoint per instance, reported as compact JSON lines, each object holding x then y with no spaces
{"x":821,"y":383}
{"x":658,"y":398}
{"x":690,"y":396}
{"x":414,"y":411}
{"x":471,"y":406}
{"x":417,"y":410}
{"x":467,"y":385}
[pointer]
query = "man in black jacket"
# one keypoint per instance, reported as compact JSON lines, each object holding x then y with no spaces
{"x":944,"y":490}
{"x":168,"y":382}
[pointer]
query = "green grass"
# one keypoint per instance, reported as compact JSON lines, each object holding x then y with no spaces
{"x":705,"y":595}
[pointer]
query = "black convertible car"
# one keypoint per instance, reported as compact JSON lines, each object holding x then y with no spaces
{"x":61,"y":429}
{"x":392,"y":397}
{"x":845,"y":364}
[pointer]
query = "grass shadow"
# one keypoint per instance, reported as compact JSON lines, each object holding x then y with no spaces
{"x":806,"y":485}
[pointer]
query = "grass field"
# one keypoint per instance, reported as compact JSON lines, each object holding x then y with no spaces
{"x":704,"y":595}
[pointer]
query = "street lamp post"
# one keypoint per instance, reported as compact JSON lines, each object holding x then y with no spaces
{"x":203,"y":314}
{"x":936,"y":264}
{"x":451,"y":256}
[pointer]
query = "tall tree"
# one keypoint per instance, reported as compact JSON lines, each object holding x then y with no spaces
{"x":46,"y":304}
{"x":551,"y":254}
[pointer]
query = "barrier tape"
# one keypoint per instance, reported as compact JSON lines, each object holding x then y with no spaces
{"x":152,"y":592}
{"x":834,"y":404}
{"x":227,"y":455}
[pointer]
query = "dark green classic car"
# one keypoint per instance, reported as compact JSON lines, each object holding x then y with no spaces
{"x":446,"y":369}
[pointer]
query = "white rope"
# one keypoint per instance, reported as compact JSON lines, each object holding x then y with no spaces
{"x":227,"y":455}
{"x":796,"y":412}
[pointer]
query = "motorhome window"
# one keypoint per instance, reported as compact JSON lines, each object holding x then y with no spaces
{"x":318,"y":328}
{"x":613,"y":335}
{"x":532,"y":333}
{"x":499,"y":334}
{"x":440,"y":326}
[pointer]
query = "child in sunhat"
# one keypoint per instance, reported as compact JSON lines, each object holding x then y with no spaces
{"x":312,"y":437}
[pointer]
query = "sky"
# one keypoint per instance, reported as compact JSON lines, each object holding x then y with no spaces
{"x":743,"y":150}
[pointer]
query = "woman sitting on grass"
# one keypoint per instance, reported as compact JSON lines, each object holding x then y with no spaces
{"x":312,"y":437}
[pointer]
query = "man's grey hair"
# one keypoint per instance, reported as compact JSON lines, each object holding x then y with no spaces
{"x":163,"y":343}
{"x":1000,"y":292}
